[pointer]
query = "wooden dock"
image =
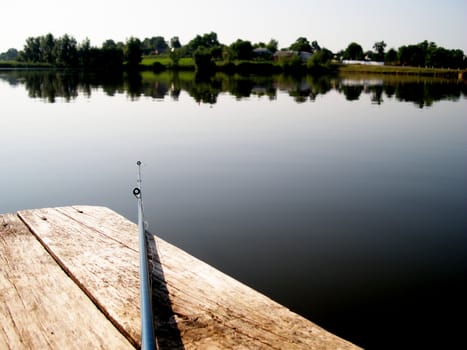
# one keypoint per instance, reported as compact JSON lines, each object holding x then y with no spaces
{"x":69,"y":279}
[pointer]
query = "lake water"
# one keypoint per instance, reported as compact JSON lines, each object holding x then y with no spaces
{"x":343,"y":199}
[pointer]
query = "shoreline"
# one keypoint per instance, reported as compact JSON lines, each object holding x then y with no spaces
{"x":404,"y":71}
{"x":264,"y":68}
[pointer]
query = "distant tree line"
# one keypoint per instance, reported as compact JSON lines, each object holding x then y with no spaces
{"x":9,"y":55}
{"x":424,"y":54}
{"x":206,"y":50}
{"x":430,"y":55}
{"x":66,"y":52}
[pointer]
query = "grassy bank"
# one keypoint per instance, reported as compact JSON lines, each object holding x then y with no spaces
{"x":269,"y":67}
{"x":161,"y":63}
{"x":399,"y":70}
{"x":185,"y":63}
{"x":23,"y":65}
{"x":242,"y":67}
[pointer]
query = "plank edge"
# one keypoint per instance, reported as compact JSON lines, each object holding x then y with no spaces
{"x":62,"y":265}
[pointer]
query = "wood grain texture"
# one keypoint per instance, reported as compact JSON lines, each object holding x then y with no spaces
{"x":40,"y":306}
{"x":195,"y":306}
{"x":105,"y":269}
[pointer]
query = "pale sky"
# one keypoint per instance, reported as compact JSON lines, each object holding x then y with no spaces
{"x":333,"y":23}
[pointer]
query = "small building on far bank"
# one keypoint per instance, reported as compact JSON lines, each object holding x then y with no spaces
{"x":262,"y":52}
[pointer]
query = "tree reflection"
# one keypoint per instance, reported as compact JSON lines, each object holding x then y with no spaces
{"x":423,"y":93}
{"x":377,"y":95}
{"x":50,"y":85}
{"x":302,"y":89}
{"x":352,"y":92}
{"x":134,"y":85}
{"x":68,"y":85}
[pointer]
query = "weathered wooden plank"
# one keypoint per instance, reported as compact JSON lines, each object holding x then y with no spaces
{"x":104,"y":268}
{"x":212,"y":307}
{"x":40,"y":306}
{"x":195,"y":305}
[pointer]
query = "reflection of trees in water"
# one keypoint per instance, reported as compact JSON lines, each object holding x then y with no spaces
{"x":134,"y":85}
{"x":244,"y":86}
{"x":302,"y":89}
{"x":377,"y":95}
{"x":425,"y":94}
{"x":422,"y":93}
{"x":203,"y":89}
{"x":50,"y":85}
{"x":389,"y":90}
{"x":352,"y":92}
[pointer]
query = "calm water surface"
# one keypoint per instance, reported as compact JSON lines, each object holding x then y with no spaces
{"x":345,"y":199}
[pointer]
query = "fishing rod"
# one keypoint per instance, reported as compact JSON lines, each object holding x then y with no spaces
{"x":147,"y":326}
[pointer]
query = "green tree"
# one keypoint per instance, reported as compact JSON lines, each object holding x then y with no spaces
{"x":301,"y":44}
{"x":412,"y":55}
{"x":320,"y":59}
{"x":65,"y":51}
{"x":436,"y":56}
{"x":133,"y":53}
{"x":241,"y":49}
{"x":208,"y":40}
{"x":203,"y":60}
{"x":109,"y":44}
{"x":429,"y":54}
{"x":272,"y":45}
{"x":379,"y":48}
{"x":390,"y":56}
{"x":47,"y":44}
{"x":315,"y":46}
{"x":175,"y":54}
{"x":291,"y":64}
{"x":84,"y":53}
{"x":175,"y":43}
{"x":457,"y":59}
{"x":10,"y":55}
{"x":217,"y":52}
{"x":353,"y":52}
{"x":31,"y":51}
{"x":154,"y":45}
{"x":112,"y":55}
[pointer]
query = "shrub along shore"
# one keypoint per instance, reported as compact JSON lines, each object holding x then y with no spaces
{"x":250,"y":67}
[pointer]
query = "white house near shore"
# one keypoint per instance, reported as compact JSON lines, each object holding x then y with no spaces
{"x":366,"y":63}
